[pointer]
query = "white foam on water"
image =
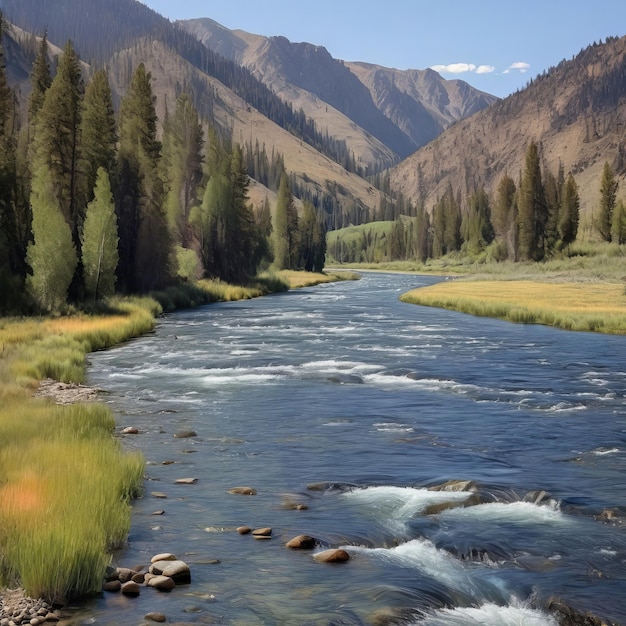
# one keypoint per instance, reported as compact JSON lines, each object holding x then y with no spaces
{"x":605,"y":451}
{"x":335,"y":366}
{"x":392,"y":427}
{"x":422,"y":554}
{"x":512,"y":512}
{"x":565,"y":407}
{"x":489,"y":615}
{"x":396,"y":505}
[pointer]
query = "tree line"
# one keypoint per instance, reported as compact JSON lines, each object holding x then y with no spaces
{"x":527,"y":220}
{"x":93,"y":202}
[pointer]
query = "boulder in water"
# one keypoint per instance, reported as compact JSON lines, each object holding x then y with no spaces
{"x":301,"y":542}
{"x":242,"y":491}
{"x":177,"y":570}
{"x":131,"y":589}
{"x":162,"y":583}
{"x":332,"y":556}
{"x":455,"y":485}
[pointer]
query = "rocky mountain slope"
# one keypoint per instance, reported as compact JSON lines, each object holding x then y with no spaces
{"x":575,"y":111}
{"x":401,"y":109}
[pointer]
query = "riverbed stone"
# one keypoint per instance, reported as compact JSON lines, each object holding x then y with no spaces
{"x":185,"y":434}
{"x":332,"y":556}
{"x":112,"y":586}
{"x":301,"y":542}
{"x":186,"y":481}
{"x":177,"y":570}
{"x":124,"y":574}
{"x":163,"y":556}
{"x":162,"y":583}
{"x":243,"y":491}
{"x":155,"y":616}
{"x":130,"y":430}
{"x":131,"y":589}
{"x":262,"y":532}
{"x":244,"y":530}
{"x":455,"y":485}
{"x":159,"y":494}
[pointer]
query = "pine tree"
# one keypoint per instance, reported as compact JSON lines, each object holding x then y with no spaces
{"x":532,"y":213}
{"x":98,"y":135}
{"x":8,"y":181}
{"x":144,"y":247}
{"x":56,"y":136}
{"x":182,"y":167}
{"x":504,"y":217}
{"x":312,"y":239}
{"x":99,"y":241}
{"x":52,"y":255}
{"x":618,"y":227}
{"x":285,"y":235}
{"x":608,"y":196}
{"x":40,"y":81}
{"x":569,"y":213}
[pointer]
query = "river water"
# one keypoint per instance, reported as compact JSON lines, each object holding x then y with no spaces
{"x":344,"y":400}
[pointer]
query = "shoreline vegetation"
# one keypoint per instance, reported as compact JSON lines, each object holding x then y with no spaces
{"x":65,"y":482}
{"x":583,"y":291}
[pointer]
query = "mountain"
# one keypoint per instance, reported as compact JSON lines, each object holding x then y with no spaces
{"x":403,"y":110}
{"x":575,"y":111}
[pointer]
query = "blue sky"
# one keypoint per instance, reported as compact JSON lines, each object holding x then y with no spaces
{"x":495,"y":45}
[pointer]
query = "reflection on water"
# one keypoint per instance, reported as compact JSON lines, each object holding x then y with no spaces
{"x":346,"y":409}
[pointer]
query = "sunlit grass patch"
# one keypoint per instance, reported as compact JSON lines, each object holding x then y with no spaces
{"x":588,"y":306}
{"x":298,"y":279}
{"x":65,"y":487}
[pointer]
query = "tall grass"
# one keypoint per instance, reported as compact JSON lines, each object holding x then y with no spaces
{"x":65,"y":483}
{"x":65,"y":487}
{"x":585,"y":306}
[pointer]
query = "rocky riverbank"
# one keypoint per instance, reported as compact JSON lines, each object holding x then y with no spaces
{"x":17,"y":609}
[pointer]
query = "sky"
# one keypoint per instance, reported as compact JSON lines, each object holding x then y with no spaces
{"x":495,"y":45}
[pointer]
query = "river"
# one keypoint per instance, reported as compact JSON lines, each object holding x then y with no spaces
{"x":343,"y":400}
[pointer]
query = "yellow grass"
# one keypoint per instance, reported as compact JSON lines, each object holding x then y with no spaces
{"x":298,"y":279}
{"x":598,"y":307}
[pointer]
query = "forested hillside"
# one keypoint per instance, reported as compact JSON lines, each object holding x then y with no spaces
{"x":92,"y":202}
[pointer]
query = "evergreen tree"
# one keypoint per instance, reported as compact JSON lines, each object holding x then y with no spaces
{"x":52,"y":255}
{"x":312,"y":239}
{"x":182,"y":166}
{"x":532,"y":212}
{"x":618,"y":229}
{"x":569,"y":213}
{"x":98,"y":135}
{"x":99,"y":241}
{"x":56,"y":136}
{"x":144,"y":247}
{"x":504,"y":217}
{"x":422,"y":234}
{"x":285,"y":235}
{"x":608,"y":196}
{"x":40,"y":81}
{"x":477,"y":230}
{"x":553,"y":191}
{"x":8,"y":180}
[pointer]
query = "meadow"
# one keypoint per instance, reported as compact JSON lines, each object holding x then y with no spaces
{"x":597,"y":307}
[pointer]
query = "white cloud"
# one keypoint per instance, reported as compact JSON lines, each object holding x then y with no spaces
{"x":460,"y":68}
{"x":454,"y":68}
{"x":520,"y":66}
